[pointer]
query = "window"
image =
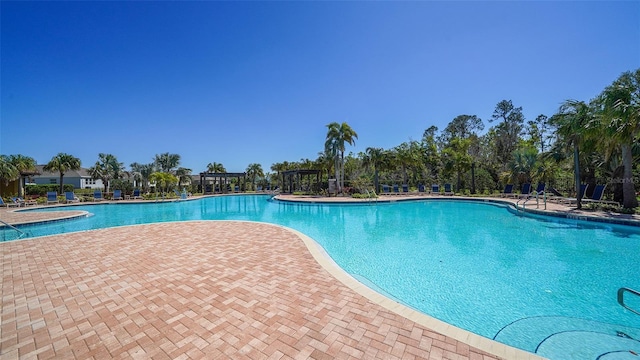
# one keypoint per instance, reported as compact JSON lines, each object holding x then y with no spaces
{"x":53,"y":181}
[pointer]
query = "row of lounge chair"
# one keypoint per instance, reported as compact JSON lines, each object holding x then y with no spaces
{"x":553,"y":195}
{"x":525,"y":192}
{"x":17,"y":202}
{"x":398,"y":190}
{"x":596,"y":197}
{"x":70,"y":197}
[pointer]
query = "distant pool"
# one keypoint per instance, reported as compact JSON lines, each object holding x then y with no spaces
{"x":542,"y":284}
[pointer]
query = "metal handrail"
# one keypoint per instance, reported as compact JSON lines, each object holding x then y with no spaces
{"x":536,"y":196}
{"x":22,"y":233}
{"x":621,"y":292}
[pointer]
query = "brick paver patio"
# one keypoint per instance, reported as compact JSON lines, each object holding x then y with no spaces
{"x":194,"y":290}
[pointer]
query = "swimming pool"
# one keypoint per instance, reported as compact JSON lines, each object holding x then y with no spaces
{"x":545,"y":285}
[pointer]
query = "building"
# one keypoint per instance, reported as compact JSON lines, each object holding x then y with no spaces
{"x":80,"y":179}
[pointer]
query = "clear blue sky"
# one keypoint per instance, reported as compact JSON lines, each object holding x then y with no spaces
{"x":244,"y":82}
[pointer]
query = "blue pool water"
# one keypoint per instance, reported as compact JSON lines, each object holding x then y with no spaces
{"x":542,"y":284}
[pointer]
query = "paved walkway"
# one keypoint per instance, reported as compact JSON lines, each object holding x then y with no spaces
{"x":204,"y":289}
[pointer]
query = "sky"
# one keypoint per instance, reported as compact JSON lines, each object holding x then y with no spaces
{"x":258,"y":81}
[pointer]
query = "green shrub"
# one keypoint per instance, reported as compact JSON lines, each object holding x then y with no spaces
{"x":42,"y":189}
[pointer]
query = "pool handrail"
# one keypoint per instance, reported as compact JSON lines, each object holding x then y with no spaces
{"x":621,"y":292}
{"x":22,"y":233}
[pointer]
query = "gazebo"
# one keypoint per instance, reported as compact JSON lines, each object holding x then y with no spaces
{"x":292,"y":180}
{"x":219,"y":181}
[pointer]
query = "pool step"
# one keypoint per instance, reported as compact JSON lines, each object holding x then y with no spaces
{"x":560,"y":338}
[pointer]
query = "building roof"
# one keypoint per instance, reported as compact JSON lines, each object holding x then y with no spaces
{"x":70,"y":173}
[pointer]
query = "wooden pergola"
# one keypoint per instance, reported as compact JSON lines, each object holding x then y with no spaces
{"x":219,"y":179}
{"x":292,"y":180}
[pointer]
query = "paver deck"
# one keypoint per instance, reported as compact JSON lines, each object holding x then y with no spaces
{"x":200,"y":289}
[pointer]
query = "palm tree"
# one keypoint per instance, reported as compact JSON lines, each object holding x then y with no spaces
{"x":523,"y":163}
{"x":337,"y":136}
{"x":216,"y":168}
{"x":571,"y":122}
{"x":184,"y":176}
{"x":374,"y":157}
{"x":142,"y":172}
{"x":8,"y":171}
{"x":106,"y":168}
{"x":62,"y":163}
{"x":26,"y":166}
{"x":167,"y":162}
{"x":254,"y":171}
{"x":407,"y":155}
{"x":279,"y":168}
{"x":621,"y":116}
{"x":324,"y":162}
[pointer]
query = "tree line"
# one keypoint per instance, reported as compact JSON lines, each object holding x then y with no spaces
{"x":590,"y":142}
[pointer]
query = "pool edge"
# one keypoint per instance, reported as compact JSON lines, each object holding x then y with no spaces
{"x":480,"y":342}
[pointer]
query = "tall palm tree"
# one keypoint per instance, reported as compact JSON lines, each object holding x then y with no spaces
{"x":62,"y":163}
{"x":337,"y":136}
{"x":571,"y":122}
{"x":332,"y":149}
{"x":254,"y":171}
{"x":26,"y":166}
{"x":167,"y":162}
{"x":621,"y":117}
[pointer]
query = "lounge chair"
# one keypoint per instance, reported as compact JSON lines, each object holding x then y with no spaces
{"x":448,"y":190}
{"x":236,"y":188}
{"x":70,"y":197}
{"x":385,"y":190}
{"x":598,"y":194}
{"x":570,"y":200}
{"x":508,"y":191}
{"x":526,"y":190}
{"x":540,"y":188}
{"x":421,"y":188}
{"x":52,"y":197}
{"x":136,"y":194}
{"x":22,"y":202}
{"x":117,"y":195}
{"x":405,"y":189}
{"x":258,"y":188}
{"x":396,"y":189}
{"x":435,"y":189}
{"x":8,"y":204}
{"x":97,"y":195}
